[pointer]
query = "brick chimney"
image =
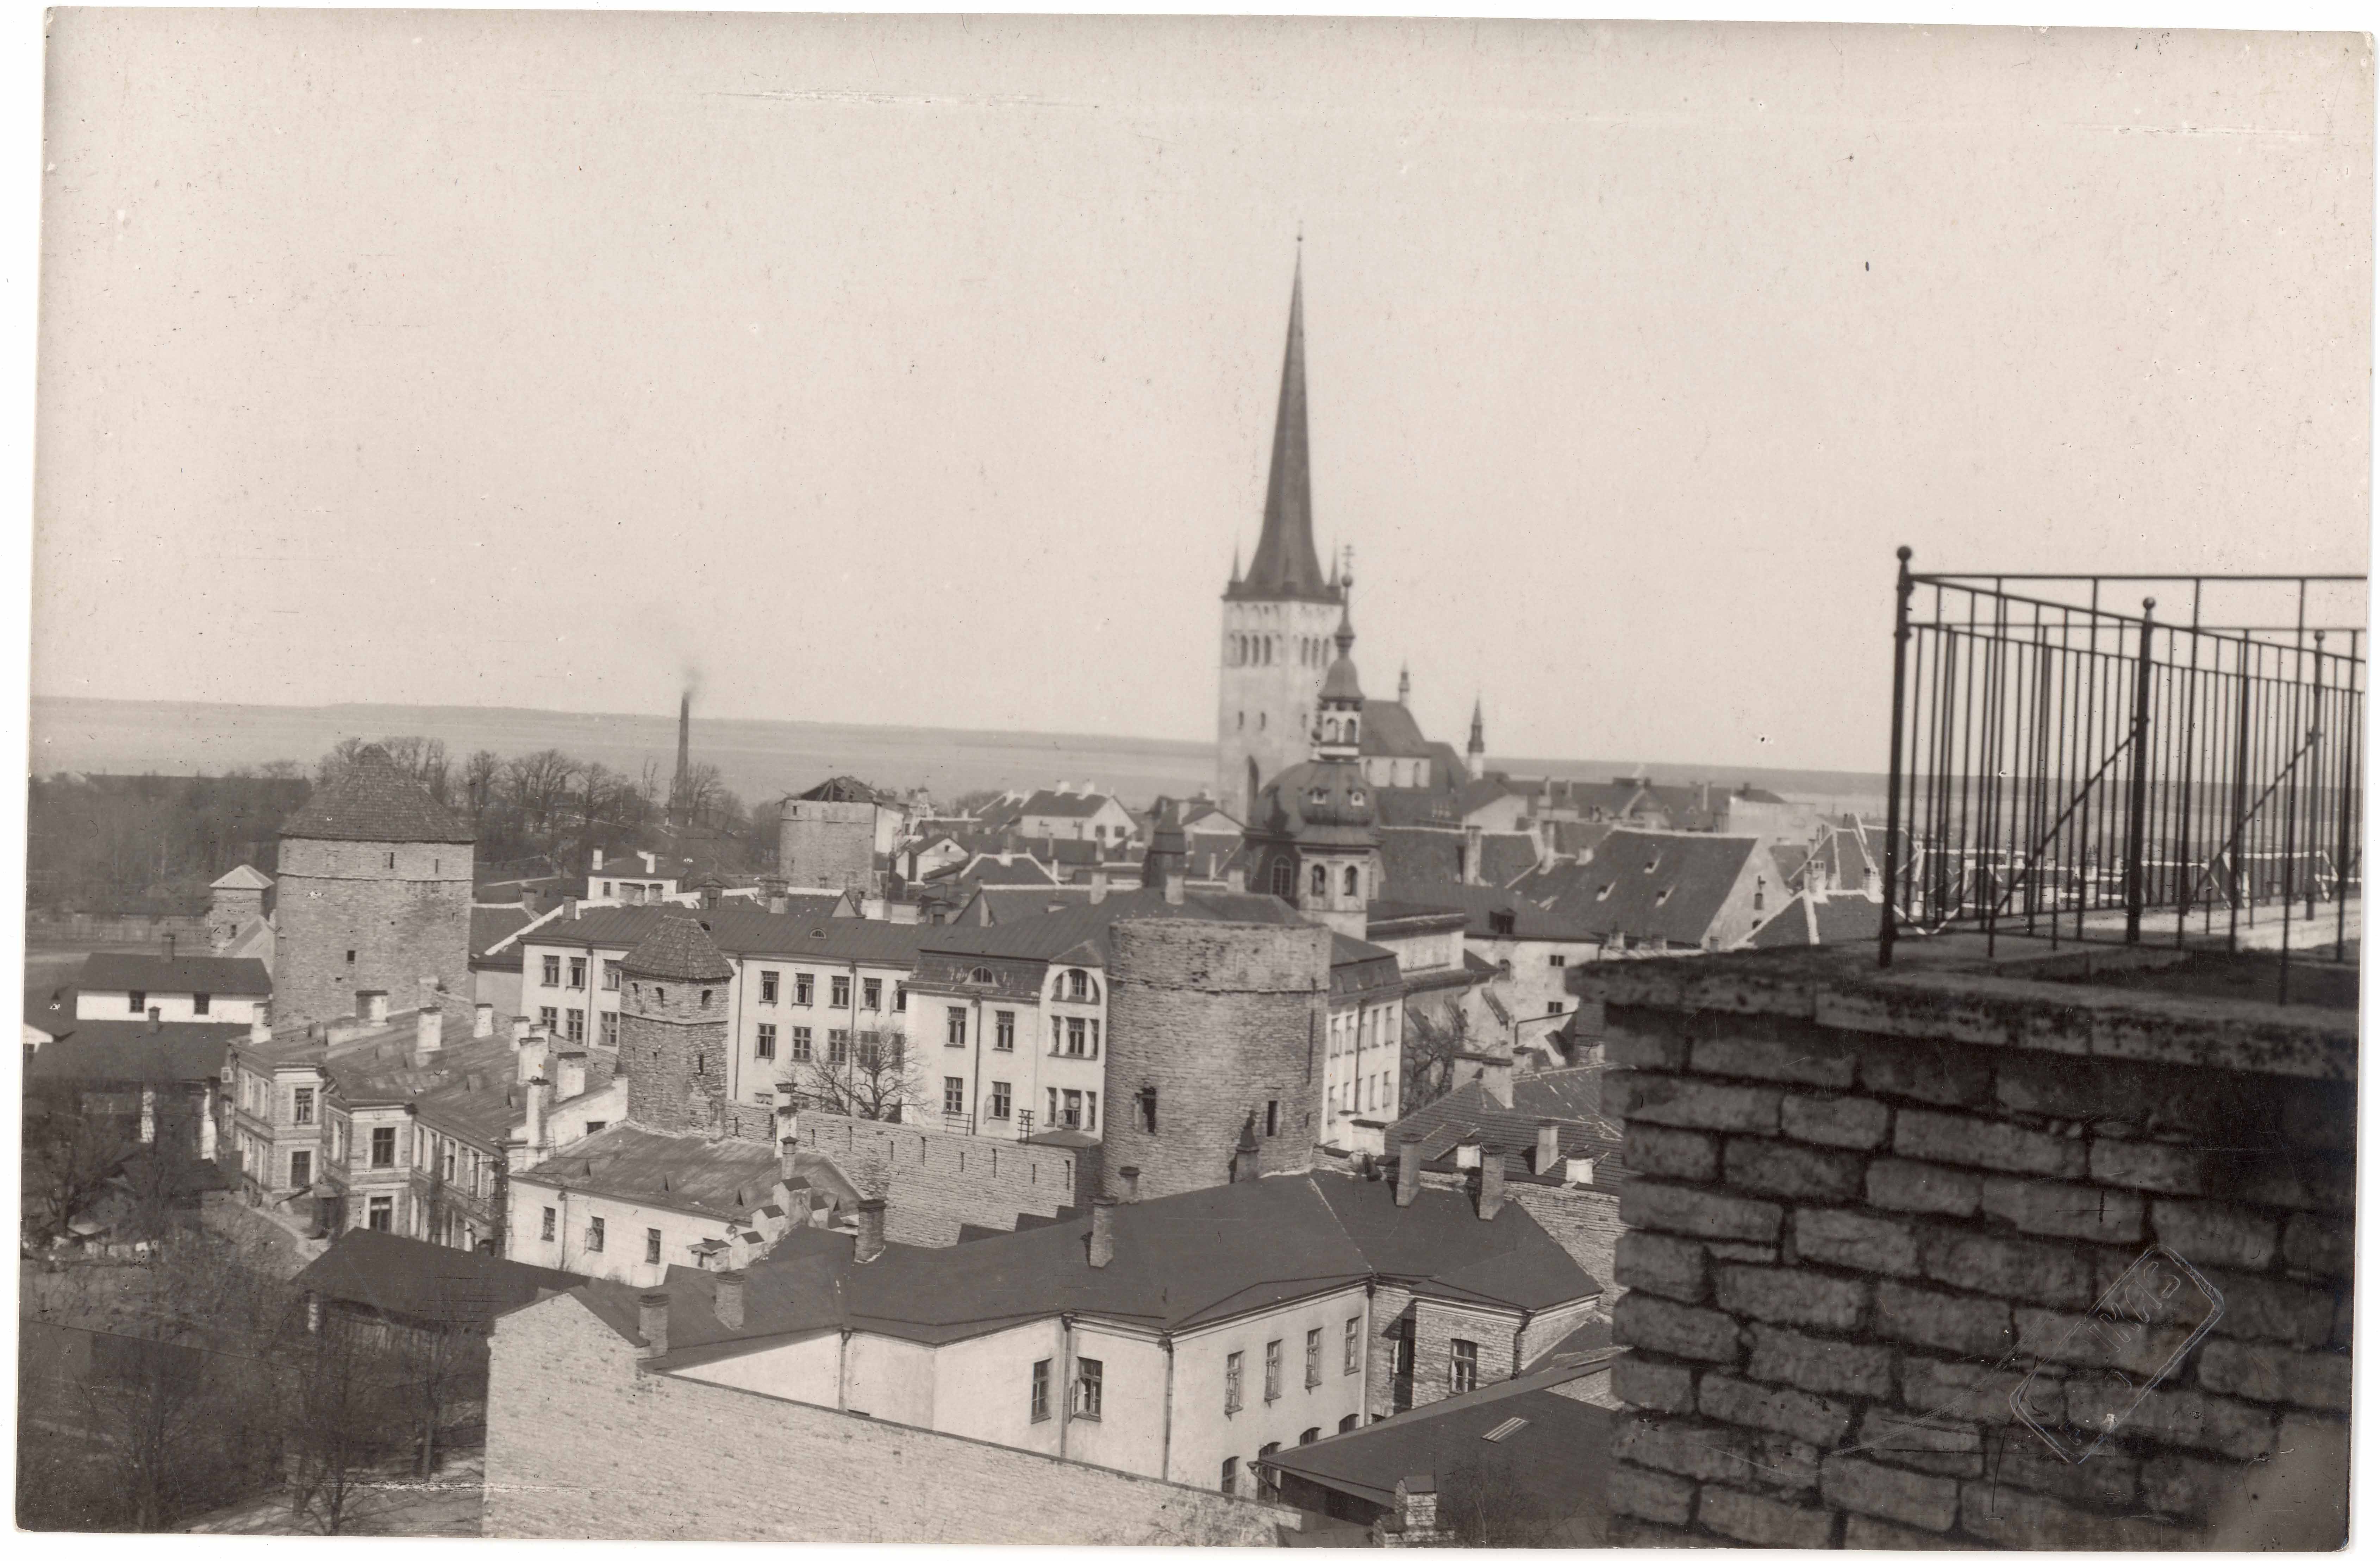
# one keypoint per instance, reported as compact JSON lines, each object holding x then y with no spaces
{"x":372,"y":1007}
{"x":870,"y":1245}
{"x":570,"y":903}
{"x":1417,"y":1507}
{"x":727,"y":1297}
{"x":595,"y":860}
{"x":1471,"y":847}
{"x":1548,"y":1161}
{"x":653,"y":1321}
{"x":1129,"y":1177}
{"x":1408,"y":1171}
{"x":483,"y":1021}
{"x":1102,"y":1232}
{"x":1237,"y":879}
{"x":529,"y":901}
{"x":785,"y":1145}
{"x":429,"y":1033}
{"x":1491,"y":1183}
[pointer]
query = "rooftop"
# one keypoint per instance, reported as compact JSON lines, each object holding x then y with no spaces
{"x":187,"y":972}
{"x":726,"y":1177}
{"x":113,"y":1052}
{"x":374,"y":800}
{"x":426,"y":1281}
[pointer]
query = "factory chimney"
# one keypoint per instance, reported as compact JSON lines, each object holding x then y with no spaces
{"x":678,"y":798}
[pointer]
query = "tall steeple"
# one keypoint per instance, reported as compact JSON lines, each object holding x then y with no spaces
{"x":1285,"y":567}
{"x":1475,"y":754}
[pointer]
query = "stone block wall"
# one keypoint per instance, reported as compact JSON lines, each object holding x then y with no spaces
{"x":1587,"y":1223}
{"x":673,"y":1051}
{"x":1847,"y":1248}
{"x":585,"y":1444}
{"x":933,"y":1182}
{"x":402,"y":923}
{"x":827,"y":844}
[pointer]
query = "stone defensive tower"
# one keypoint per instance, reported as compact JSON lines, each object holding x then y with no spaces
{"x":374,"y":894}
{"x":1212,"y":1027}
{"x":674,"y":1028}
{"x":1277,"y":618}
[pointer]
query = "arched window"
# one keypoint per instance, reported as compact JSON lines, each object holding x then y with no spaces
{"x":1354,"y":884}
{"x":1322,"y":881}
{"x":1283,"y":878}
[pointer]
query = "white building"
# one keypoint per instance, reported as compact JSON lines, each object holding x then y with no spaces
{"x":174,"y":989}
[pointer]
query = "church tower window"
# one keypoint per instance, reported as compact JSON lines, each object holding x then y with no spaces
{"x":1322,"y":881}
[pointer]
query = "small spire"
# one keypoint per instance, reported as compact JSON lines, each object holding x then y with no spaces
{"x":1478,"y":728}
{"x":1346,"y":634}
{"x":1405,"y":684}
{"x":1235,"y":562}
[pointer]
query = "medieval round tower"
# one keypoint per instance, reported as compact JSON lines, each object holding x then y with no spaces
{"x":1216,"y":1030}
{"x":375,"y":893}
{"x":673,"y":1027}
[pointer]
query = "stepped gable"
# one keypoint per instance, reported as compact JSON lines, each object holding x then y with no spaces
{"x":376,"y":801}
{"x":679,"y":950}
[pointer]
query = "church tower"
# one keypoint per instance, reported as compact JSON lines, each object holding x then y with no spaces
{"x":1475,"y":755}
{"x":1278,"y":617}
{"x":1314,"y":837}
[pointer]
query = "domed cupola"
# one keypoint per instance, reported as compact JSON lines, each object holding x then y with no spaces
{"x":1339,"y":713}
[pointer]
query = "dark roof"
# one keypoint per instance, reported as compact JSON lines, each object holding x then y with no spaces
{"x":424,"y":1282}
{"x":1323,"y":801}
{"x":677,"y":947}
{"x":669,"y":1170}
{"x":492,"y":925}
{"x":51,"y":1009}
{"x":1482,"y":903}
{"x":188,"y":972}
{"x":1178,"y":1262}
{"x":806,"y":929}
{"x":1835,"y":919}
{"x":1047,"y":804}
{"x":1643,"y":885}
{"x":109,"y":1052}
{"x":1285,"y":567}
{"x":374,"y":800}
{"x":1470,"y":1112}
{"x":843,"y":788}
{"x":1556,"y":1460}
{"x":1391,"y":732}
{"x":1076,"y":929}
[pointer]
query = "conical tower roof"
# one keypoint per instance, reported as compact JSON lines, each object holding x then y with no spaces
{"x":375,"y":801}
{"x":1285,"y":566}
{"x":677,"y":949}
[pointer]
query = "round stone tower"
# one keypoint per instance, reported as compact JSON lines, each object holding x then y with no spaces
{"x":1213,"y":1029}
{"x":673,"y":1027}
{"x":375,"y":893}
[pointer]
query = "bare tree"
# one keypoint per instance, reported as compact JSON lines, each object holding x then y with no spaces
{"x":340,"y":1418}
{"x":437,"y":1368}
{"x":536,"y":784}
{"x":1431,"y":1047}
{"x":1482,"y":1501}
{"x":425,"y":759}
{"x":71,"y":1157}
{"x":874,"y":1078}
{"x":480,"y":775}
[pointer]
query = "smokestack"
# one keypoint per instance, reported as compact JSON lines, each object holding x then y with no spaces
{"x":1102,"y":1232}
{"x":685,"y":756}
{"x":1491,"y":1183}
{"x":1549,"y":1147}
{"x":727,"y":1296}
{"x":1408,"y":1171}
{"x":1129,"y":1177}
{"x":653,"y":1321}
{"x":483,"y":1021}
{"x":870,"y":1245}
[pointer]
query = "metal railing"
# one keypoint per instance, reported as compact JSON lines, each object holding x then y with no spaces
{"x":2064,"y":768}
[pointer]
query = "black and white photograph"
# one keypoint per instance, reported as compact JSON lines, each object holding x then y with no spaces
{"x":1164,"y":781}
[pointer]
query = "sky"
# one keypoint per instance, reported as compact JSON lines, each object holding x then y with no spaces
{"x":920,"y":371}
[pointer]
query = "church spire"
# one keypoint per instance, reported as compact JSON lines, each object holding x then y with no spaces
{"x":1475,"y":754}
{"x":1285,"y":566}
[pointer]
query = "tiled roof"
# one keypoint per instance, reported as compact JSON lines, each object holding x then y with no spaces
{"x":425,"y":1281}
{"x":187,"y":972}
{"x":1806,"y":920}
{"x":1642,"y":885}
{"x":492,"y":925}
{"x":109,"y":1052}
{"x":374,"y":800}
{"x":1179,"y":1262}
{"x":1445,"y":1123}
{"x":677,"y":949}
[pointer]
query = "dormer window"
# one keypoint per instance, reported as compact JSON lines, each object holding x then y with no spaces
{"x":980,"y":975}
{"x":1653,"y":863}
{"x":1605,"y":892}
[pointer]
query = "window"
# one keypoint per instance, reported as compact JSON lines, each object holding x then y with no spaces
{"x":1000,"y":1100}
{"x":384,"y":1148}
{"x":1090,"y":1386}
{"x":1272,"y":1369}
{"x":1352,"y":883}
{"x":1347,"y":1423}
{"x":1351,"y":1348}
{"x":1311,"y":1435}
{"x":549,"y":1017}
{"x":1321,"y":877}
{"x":575,"y":1025}
{"x":1462,"y":1367}
{"x":1267,"y":1481}
{"x":611,"y":975}
{"x":955,"y":1027}
{"x":900,"y":996}
{"x":1554,"y":1007}
{"x":1231,"y":1482}
{"x":595,"y":1234}
{"x":800,"y":1050}
{"x":1004,"y":1035}
{"x":1073,"y":1116}
{"x":202,"y":1002}
{"x":1148,"y":1099}
{"x":1272,"y":1117}
{"x":769,"y":987}
{"x":871,"y":994}
{"x":608,"y":1028}
{"x":301,"y":1168}
{"x":550,"y":970}
{"x":579,"y":976}
{"x":351,"y":956}
{"x":1078,"y":986}
{"x":764,"y":1045}
{"x":702,"y":997}
{"x":302,"y":1107}
{"x":592,"y":1127}
{"x":1313,"y":1358}
{"x":653,"y":1244}
{"x":804,"y":987}
{"x":1231,"y":1367}
{"x":1284,"y":879}
{"x":545,"y":1225}
{"x":838,"y":1046}
{"x":139,"y":1002}
{"x":1557,"y":960}
{"x":382,"y":1213}
{"x":1075,"y":1035}
{"x":1040,"y":1390}
{"x":842,"y":993}
{"x":954,"y":1095}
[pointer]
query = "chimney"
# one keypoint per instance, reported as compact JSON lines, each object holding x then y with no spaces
{"x":870,"y":1245}
{"x":777,"y":903}
{"x":483,"y":1021}
{"x":1548,"y":1161}
{"x":653,"y":1321}
{"x":595,"y":860}
{"x":1129,"y":1177}
{"x":652,"y":863}
{"x":786,"y":1150}
{"x":570,"y":903}
{"x":1471,"y":843}
{"x":169,"y":945}
{"x":1408,"y":1171}
{"x":1102,"y":1232}
{"x":259,"y":1032}
{"x":571,"y":1066}
{"x":1173,"y":886}
{"x":156,"y":1019}
{"x":1238,"y":879}
{"x":372,"y":1007}
{"x":1491,"y":1183}
{"x":538,"y":1092}
{"x":529,"y":901}
{"x":1246,"y":1159}
{"x":1098,"y":886}
{"x":727,"y":1296}
{"x":1417,"y":1507}
{"x":429,"y":1034}
{"x":520,"y":1030}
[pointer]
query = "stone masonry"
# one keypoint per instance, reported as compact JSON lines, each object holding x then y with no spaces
{"x":1225,"y":1022}
{"x":369,"y":916}
{"x":1870,"y":1205}
{"x":932,"y":1182}
{"x":584,"y":1442}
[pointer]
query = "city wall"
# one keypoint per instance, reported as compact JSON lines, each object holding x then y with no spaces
{"x":933,"y":1182}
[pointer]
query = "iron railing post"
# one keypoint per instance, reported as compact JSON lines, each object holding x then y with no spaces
{"x":2135,"y":839}
{"x":1892,"y":774}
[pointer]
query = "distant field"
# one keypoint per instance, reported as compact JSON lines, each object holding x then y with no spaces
{"x":760,"y":758}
